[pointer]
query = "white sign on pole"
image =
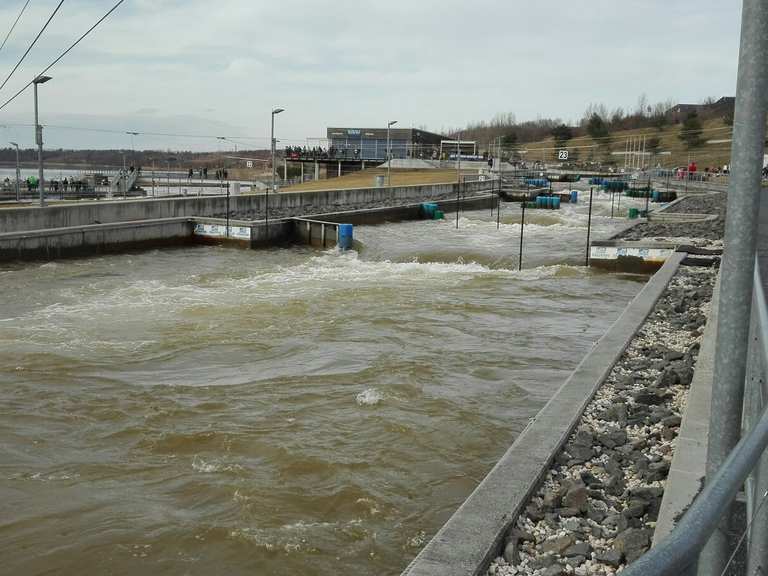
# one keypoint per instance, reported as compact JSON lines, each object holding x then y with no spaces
{"x":249,"y":163}
{"x":562,"y":155}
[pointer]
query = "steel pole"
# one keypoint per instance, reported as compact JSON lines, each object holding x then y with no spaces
{"x":458,"y":178}
{"x":589,"y":228}
{"x":18,"y":175}
{"x":738,"y":260}
{"x":389,"y":159}
{"x":39,"y":139}
{"x":266,"y":198}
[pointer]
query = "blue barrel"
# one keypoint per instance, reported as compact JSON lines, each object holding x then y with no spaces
{"x":656,"y":195}
{"x":345,"y":237}
{"x":556,"y":202}
{"x":574,"y":196}
{"x":540,"y":202}
{"x":428,"y":209}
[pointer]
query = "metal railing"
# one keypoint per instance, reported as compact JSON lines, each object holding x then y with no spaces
{"x":747,"y":463}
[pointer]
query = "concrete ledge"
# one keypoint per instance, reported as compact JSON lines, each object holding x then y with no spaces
{"x":94,"y":239}
{"x":687,"y":471}
{"x":473,"y":536}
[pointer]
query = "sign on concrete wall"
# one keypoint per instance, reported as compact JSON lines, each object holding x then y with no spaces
{"x":614,"y":252}
{"x":220,"y":231}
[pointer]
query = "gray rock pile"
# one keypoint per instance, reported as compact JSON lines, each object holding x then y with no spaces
{"x":598,"y":504}
{"x":701,"y":204}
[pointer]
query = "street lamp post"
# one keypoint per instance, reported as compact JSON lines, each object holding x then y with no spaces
{"x":39,"y":140}
{"x":18,"y":173}
{"x":275,"y":111}
{"x":389,"y":153}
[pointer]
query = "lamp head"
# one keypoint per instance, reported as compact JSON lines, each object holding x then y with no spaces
{"x":278,"y":110}
{"x":392,"y":123}
{"x":14,"y":144}
{"x":41,"y":79}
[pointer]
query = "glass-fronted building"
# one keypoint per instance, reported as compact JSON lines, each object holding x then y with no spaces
{"x":371,"y":143}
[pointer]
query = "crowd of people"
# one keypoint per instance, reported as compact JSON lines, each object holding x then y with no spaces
{"x":352,"y":153}
{"x":202,"y":173}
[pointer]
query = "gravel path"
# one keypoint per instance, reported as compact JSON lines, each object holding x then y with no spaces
{"x":597,"y":507}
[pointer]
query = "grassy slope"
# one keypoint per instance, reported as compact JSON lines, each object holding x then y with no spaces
{"x":705,"y":155}
{"x":366,"y":179}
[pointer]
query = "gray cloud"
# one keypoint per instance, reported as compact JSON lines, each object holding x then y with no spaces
{"x":201,"y":66}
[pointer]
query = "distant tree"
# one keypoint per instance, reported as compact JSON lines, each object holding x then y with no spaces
{"x":690,"y":132}
{"x":562,"y":134}
{"x":509,"y":140}
{"x":652,"y":144}
{"x":596,"y":126}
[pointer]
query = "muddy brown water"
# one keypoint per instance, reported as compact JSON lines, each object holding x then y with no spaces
{"x":220,"y":411}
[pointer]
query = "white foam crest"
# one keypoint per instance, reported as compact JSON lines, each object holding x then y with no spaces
{"x":200,"y":465}
{"x":369,"y":397}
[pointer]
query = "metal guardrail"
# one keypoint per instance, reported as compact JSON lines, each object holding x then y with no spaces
{"x":677,"y":554}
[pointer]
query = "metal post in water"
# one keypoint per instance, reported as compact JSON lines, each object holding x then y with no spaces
{"x":738,"y":263}
{"x":458,"y":178}
{"x":647,"y":197}
{"x":227,"y":209}
{"x":522,"y":228}
{"x":613,"y":197}
{"x":589,"y":226}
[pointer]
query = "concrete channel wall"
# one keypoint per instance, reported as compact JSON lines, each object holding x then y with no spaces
{"x":474,"y":535}
{"x":247,"y":207}
{"x":50,"y":244}
{"x":57,"y":243}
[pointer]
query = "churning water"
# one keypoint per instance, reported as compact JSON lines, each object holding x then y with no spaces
{"x":220,"y":411}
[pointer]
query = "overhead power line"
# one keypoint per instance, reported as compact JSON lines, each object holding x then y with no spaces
{"x":14,"y":25}
{"x":32,"y":44}
{"x":67,"y":51}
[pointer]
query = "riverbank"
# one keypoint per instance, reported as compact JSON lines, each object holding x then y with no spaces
{"x":597,"y":506}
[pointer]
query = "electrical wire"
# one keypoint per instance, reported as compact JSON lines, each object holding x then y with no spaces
{"x":32,"y":44}
{"x":14,"y":25}
{"x":67,"y":51}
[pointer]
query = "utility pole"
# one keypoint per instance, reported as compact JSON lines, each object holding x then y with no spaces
{"x":389,"y":153}
{"x":18,"y":173}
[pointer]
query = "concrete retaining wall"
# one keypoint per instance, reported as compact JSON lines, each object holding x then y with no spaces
{"x":249,"y":207}
{"x":474,"y":535}
{"x":94,"y":239}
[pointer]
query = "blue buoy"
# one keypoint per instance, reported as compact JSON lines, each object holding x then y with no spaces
{"x":574,"y":196}
{"x":345,"y":236}
{"x":556,"y":202}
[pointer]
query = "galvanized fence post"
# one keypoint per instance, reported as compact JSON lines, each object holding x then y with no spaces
{"x":738,"y":261}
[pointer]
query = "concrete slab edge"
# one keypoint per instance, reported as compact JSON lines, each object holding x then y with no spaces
{"x":474,"y":535}
{"x":689,"y":461}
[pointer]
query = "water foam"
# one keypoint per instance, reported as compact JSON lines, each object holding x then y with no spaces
{"x":369,"y":397}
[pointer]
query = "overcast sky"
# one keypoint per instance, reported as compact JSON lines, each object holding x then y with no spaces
{"x":213,"y":68}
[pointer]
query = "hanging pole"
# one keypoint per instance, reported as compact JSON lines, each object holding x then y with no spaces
{"x":589,"y":226}
{"x":522,"y":229}
{"x":647,"y":197}
{"x":613,"y":197}
{"x":737,"y":269}
{"x":458,"y":179}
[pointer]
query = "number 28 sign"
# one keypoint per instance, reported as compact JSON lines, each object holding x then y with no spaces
{"x":562,"y":155}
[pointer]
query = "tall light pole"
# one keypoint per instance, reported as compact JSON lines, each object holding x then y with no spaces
{"x":39,"y":140}
{"x":18,"y":173}
{"x":275,"y":111}
{"x":389,"y":153}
